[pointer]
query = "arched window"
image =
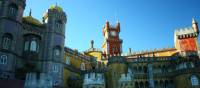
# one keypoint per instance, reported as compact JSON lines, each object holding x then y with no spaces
{"x":26,"y":46}
{"x":3,"y":59}
{"x":82,"y":66}
{"x":12,"y":10}
{"x":33,"y":46}
{"x":68,"y":61}
{"x":194,"y":80}
{"x":6,"y":41}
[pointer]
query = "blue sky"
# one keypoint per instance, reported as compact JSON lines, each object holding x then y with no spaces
{"x":145,"y":24}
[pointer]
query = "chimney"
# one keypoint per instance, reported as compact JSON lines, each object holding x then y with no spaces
{"x":130,"y":51}
{"x":92,"y":44}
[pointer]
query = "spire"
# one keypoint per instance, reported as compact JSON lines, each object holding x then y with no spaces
{"x":193,"y":21}
{"x":118,"y":25}
{"x":195,"y":26}
{"x":30,"y":13}
{"x":107,"y":24}
{"x":130,"y":51}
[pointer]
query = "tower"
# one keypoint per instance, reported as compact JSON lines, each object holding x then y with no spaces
{"x":11,"y":12}
{"x":112,"y":44}
{"x":55,"y":20}
{"x":12,"y":9}
{"x":186,"y":39}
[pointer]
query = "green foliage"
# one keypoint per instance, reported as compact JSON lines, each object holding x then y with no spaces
{"x":31,"y":20}
{"x":56,"y":7}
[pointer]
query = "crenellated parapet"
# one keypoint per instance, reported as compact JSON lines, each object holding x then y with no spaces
{"x":186,"y":39}
{"x":94,"y":79}
{"x":126,"y":80}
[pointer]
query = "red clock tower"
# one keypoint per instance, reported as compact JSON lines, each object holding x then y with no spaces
{"x":112,"y":44}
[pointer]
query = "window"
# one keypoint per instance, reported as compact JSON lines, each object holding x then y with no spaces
{"x":13,"y":10}
{"x":7,"y":41}
{"x":33,"y":46}
{"x":59,"y":24}
{"x":3,"y":59}
{"x":194,"y":80}
{"x":82,"y":66}
{"x":55,"y":68}
{"x":56,"y":52}
{"x":68,"y":61}
{"x":26,"y":46}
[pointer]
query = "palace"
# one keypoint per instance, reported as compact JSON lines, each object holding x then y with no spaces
{"x":33,"y":55}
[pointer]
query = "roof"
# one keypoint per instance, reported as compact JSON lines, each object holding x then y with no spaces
{"x":31,"y":20}
{"x":55,"y":7}
{"x":157,"y":52}
{"x":93,"y":50}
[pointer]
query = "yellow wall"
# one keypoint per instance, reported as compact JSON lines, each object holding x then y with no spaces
{"x":98,"y":55}
{"x":114,"y":73}
{"x":75,"y":61}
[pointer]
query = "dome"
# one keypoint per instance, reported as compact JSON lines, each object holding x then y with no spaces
{"x":31,"y":20}
{"x":55,"y":7}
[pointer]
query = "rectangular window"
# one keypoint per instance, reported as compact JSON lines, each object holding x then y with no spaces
{"x":3,"y":59}
{"x":55,"y":68}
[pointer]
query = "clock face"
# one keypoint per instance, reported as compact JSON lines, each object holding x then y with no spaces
{"x":113,"y":33}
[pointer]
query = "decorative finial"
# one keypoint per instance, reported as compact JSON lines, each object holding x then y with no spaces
{"x":30,"y":13}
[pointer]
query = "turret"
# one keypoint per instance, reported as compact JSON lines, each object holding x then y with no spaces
{"x":55,"y":20}
{"x":195,"y":26}
{"x":12,"y":9}
{"x":117,"y":66}
{"x":112,"y":44}
{"x":118,"y":26}
{"x":107,"y":24}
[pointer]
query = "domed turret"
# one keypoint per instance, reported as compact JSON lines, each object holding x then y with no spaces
{"x":56,"y":8}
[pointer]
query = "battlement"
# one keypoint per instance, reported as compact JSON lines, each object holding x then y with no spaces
{"x":94,"y":79}
{"x":183,"y":31}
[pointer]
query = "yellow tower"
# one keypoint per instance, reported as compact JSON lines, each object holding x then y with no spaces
{"x":116,"y":67}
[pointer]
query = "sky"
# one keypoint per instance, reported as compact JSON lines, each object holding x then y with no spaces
{"x":145,"y":24}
